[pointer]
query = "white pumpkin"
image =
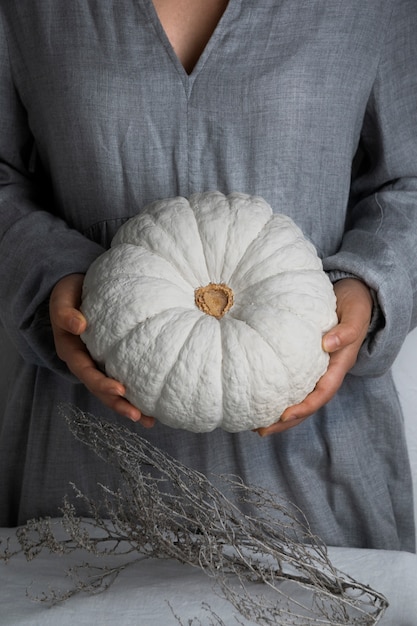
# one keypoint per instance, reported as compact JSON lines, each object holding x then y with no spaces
{"x":210,"y":311}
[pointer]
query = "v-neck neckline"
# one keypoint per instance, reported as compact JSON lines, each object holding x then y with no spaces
{"x":215,"y":37}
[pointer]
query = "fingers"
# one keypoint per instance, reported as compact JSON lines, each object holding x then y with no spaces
{"x":354,"y":310}
{"x":109,"y":391}
{"x":341,"y":361}
{"x":323,"y":392}
{"x":64,"y":305}
{"x":343,"y":342}
{"x":67,"y":324}
{"x":325,"y":389}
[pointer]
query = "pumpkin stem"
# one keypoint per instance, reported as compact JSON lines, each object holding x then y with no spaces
{"x":214,"y":299}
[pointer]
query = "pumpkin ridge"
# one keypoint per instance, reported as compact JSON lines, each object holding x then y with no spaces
{"x":255,"y":266}
{"x":285,"y":309}
{"x":230,"y":228}
{"x":129,"y":278}
{"x":235,"y":322}
{"x":134,"y":273}
{"x":164,"y":382}
{"x":135,"y":286}
{"x":166,"y":325}
{"x":248,"y":247}
{"x":288,"y":380}
{"x":198,"y":321}
{"x":264,"y":340}
{"x":159,"y":224}
{"x":283,"y":273}
{"x":131,"y":330}
{"x":194,"y":209}
{"x":316,"y":298}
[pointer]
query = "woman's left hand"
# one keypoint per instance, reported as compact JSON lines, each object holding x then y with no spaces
{"x":68,"y":323}
{"x":354,"y":310}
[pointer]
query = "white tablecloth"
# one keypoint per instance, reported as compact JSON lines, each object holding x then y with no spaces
{"x":163,"y":592}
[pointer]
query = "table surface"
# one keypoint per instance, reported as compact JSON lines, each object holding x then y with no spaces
{"x":162,"y":591}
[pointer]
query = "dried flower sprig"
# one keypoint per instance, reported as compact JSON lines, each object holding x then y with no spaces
{"x":164,"y":509}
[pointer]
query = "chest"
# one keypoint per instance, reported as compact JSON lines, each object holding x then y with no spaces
{"x":189,"y":24}
{"x":273,"y":107}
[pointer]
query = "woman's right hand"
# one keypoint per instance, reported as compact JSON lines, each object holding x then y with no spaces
{"x":68,"y":323}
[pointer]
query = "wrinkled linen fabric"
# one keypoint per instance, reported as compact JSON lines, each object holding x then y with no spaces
{"x":164,"y":591}
{"x":290,"y":101}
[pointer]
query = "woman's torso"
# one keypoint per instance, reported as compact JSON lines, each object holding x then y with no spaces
{"x":273,"y":106}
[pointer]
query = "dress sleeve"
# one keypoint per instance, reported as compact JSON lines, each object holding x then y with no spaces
{"x":36,"y":247}
{"x":380,"y":242}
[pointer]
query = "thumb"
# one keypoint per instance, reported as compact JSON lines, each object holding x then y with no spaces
{"x":342,"y":335}
{"x":64,"y":305}
{"x":331,"y":341}
{"x":75,"y":322}
{"x":354,"y":309}
{"x":70,"y":320}
{"x":346,"y":333}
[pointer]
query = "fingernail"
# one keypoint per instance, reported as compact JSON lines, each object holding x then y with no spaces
{"x":331,"y":342}
{"x":132,"y":417}
{"x":289,"y":418}
{"x":75,"y":325}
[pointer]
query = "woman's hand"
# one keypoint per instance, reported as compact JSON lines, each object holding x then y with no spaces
{"x":68,"y":324}
{"x":354,"y":310}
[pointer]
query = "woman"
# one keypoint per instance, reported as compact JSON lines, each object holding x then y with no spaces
{"x":107,"y":105}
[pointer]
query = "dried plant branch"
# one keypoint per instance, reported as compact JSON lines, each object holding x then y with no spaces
{"x":166,"y":510}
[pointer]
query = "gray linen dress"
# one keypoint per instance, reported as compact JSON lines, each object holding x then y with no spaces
{"x":312,"y":105}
